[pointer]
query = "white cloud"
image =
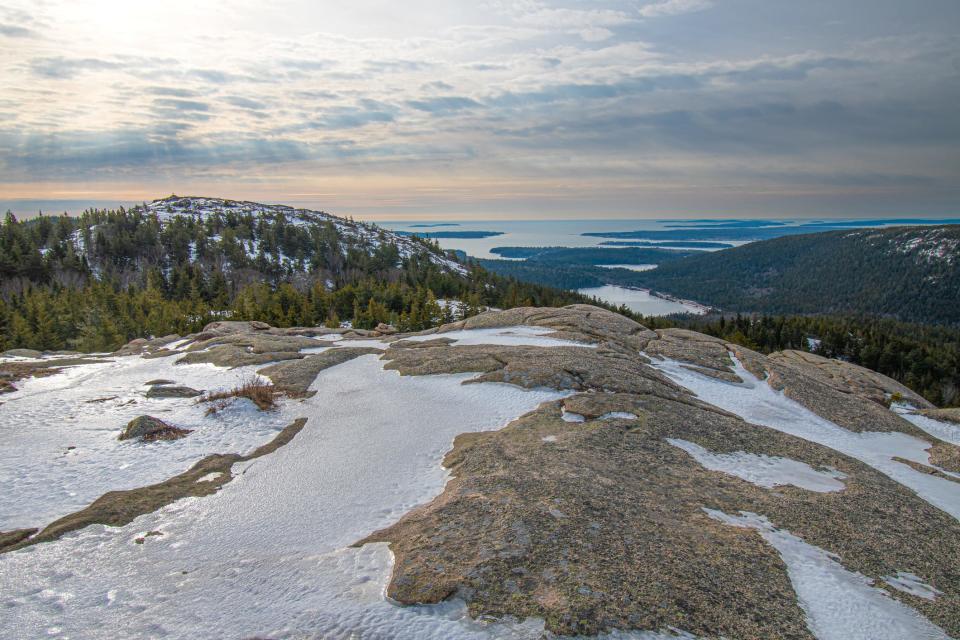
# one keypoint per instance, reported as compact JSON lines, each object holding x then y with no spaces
{"x":673,"y":7}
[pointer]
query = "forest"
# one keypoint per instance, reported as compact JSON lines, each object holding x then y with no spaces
{"x":93,"y":282}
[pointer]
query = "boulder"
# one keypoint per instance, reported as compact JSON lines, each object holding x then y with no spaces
{"x":167,"y":391}
{"x":386,"y":329}
{"x":150,"y":429}
{"x":158,"y":382}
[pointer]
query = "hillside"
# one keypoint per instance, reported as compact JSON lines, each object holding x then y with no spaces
{"x":521,"y":474}
{"x":94,"y":281}
{"x":906,"y":273}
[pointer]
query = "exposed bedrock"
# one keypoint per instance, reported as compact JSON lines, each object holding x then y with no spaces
{"x":600,"y":524}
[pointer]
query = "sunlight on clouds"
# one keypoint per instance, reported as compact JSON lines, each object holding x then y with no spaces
{"x":532,"y":106}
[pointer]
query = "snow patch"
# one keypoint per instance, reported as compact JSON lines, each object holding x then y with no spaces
{"x":764,"y":471}
{"x":86,"y":407}
{"x":268,"y":555}
{"x":618,"y":415}
{"x":913,"y":584}
{"x":755,"y":401}
{"x":839,"y":604}
{"x":508,"y":336}
{"x":945,"y":431}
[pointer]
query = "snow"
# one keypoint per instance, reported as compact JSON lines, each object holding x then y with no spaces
{"x":369,"y":235}
{"x":755,"y":401}
{"x":764,"y":471}
{"x":946,"y":431}
{"x":549,"y":438}
{"x":507,"y":336}
{"x":839,"y":604}
{"x":618,"y":415}
{"x":268,"y":555}
{"x":86,"y":407}
{"x":913,"y":584}
{"x":569,"y":416}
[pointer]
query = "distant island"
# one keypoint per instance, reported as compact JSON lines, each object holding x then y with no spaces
{"x":674,"y":244}
{"x":451,"y":234}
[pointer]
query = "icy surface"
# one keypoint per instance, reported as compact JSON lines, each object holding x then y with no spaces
{"x":839,"y":604}
{"x":764,"y":471}
{"x":913,"y":584}
{"x":946,"y":431}
{"x":569,"y":416}
{"x":755,"y":401}
{"x":268,"y":555}
{"x":508,"y":336}
{"x":58,"y":435}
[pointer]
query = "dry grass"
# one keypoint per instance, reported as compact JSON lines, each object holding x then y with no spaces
{"x":263,"y":394}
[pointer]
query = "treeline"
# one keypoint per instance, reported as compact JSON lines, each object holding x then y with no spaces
{"x":94,"y":282}
{"x":905,"y":273}
{"x":925,"y":358}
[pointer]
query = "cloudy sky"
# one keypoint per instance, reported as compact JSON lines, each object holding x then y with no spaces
{"x":496,"y":108}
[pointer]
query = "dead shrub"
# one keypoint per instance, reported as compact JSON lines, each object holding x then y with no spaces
{"x":263,"y":394}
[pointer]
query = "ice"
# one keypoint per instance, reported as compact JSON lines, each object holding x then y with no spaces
{"x":269,"y":555}
{"x":507,"y":336}
{"x":58,"y":435}
{"x":839,"y":604}
{"x":755,"y":401}
{"x":912,"y":584}
{"x":764,"y":471}
{"x":946,"y":431}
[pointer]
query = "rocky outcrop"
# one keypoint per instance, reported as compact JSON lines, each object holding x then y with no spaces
{"x":150,"y":429}
{"x":172,"y":391}
{"x":294,"y":377}
{"x":144,"y":346}
{"x":601,"y":524}
{"x":849,"y":378}
{"x":13,"y":371}
{"x":21,"y":353}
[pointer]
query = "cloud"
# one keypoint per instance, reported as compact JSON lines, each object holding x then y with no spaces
{"x":176,"y":92}
{"x":61,"y":68}
{"x":216,"y":76}
{"x":444,"y":104}
{"x":181,"y":105}
{"x":16,"y":31}
{"x":673,"y":7}
{"x":134,"y":151}
{"x":245,"y":103}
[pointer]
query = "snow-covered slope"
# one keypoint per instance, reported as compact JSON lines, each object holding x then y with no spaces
{"x":369,"y":235}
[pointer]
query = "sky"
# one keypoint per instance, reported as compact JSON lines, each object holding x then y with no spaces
{"x":486,"y":108}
